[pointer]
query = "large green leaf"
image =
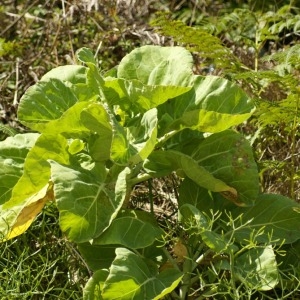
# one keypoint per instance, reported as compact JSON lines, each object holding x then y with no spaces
{"x":278,"y":216}
{"x":228,"y":156}
{"x":70,"y":73}
{"x":132,"y":229}
{"x":96,"y":119}
{"x":97,"y":256}
{"x":95,"y":81}
{"x":13,"y":152}
{"x":44,"y":102}
{"x":131,"y":145}
{"x":155,"y":65}
{"x":134,"y":96}
{"x":52,"y":107}
{"x":148,"y":77}
{"x":272,"y":217}
{"x":87,"y":205}
{"x":32,"y":190}
{"x":289,"y":265}
{"x":213,"y":105}
{"x":257,"y":268}
{"x":69,"y":123}
{"x":198,"y":196}
{"x":183,"y":141}
{"x":92,"y":290}
{"x":161,"y":163}
{"x":74,"y":77}
{"x":131,"y":277}
{"x":36,"y":168}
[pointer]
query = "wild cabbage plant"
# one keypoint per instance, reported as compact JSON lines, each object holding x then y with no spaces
{"x":96,"y":135}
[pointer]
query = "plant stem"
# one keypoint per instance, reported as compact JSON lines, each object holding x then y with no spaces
{"x":170,"y":258}
{"x":138,"y":179}
{"x":163,"y":139}
{"x":232,"y":281}
{"x":186,"y":280}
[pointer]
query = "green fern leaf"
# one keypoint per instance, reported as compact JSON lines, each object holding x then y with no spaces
{"x":7,"y":130}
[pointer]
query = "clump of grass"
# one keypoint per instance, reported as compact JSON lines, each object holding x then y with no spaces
{"x":41,"y":263}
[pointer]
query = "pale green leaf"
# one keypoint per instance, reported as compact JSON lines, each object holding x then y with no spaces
{"x":155,"y":65}
{"x":52,"y":107}
{"x":95,"y":81}
{"x":69,"y":123}
{"x":130,"y":277}
{"x":69,"y":73}
{"x":87,"y":205}
{"x":13,"y":152}
{"x":121,"y":149}
{"x":76,"y":146}
{"x":134,"y":96}
{"x":131,"y":145}
{"x":96,"y":119}
{"x":213,"y":105}
{"x":257,"y":268}
{"x":31,"y":188}
{"x":132,"y":229}
{"x":44,"y":102}
{"x":85,"y":55}
{"x":92,"y":289}
{"x":74,"y":77}
{"x":36,"y":168}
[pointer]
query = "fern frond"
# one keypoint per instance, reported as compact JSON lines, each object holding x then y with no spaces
{"x":282,"y":112}
{"x":264,"y":77}
{"x":239,"y":25}
{"x":194,"y":39}
{"x":287,"y":59}
{"x":7,"y":130}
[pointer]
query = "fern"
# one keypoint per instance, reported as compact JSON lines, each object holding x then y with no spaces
{"x":287,"y":60}
{"x":7,"y":130}
{"x":195,"y":39}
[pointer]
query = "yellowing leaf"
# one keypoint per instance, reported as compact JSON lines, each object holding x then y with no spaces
{"x":180,"y":251}
{"x":31,"y":209}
